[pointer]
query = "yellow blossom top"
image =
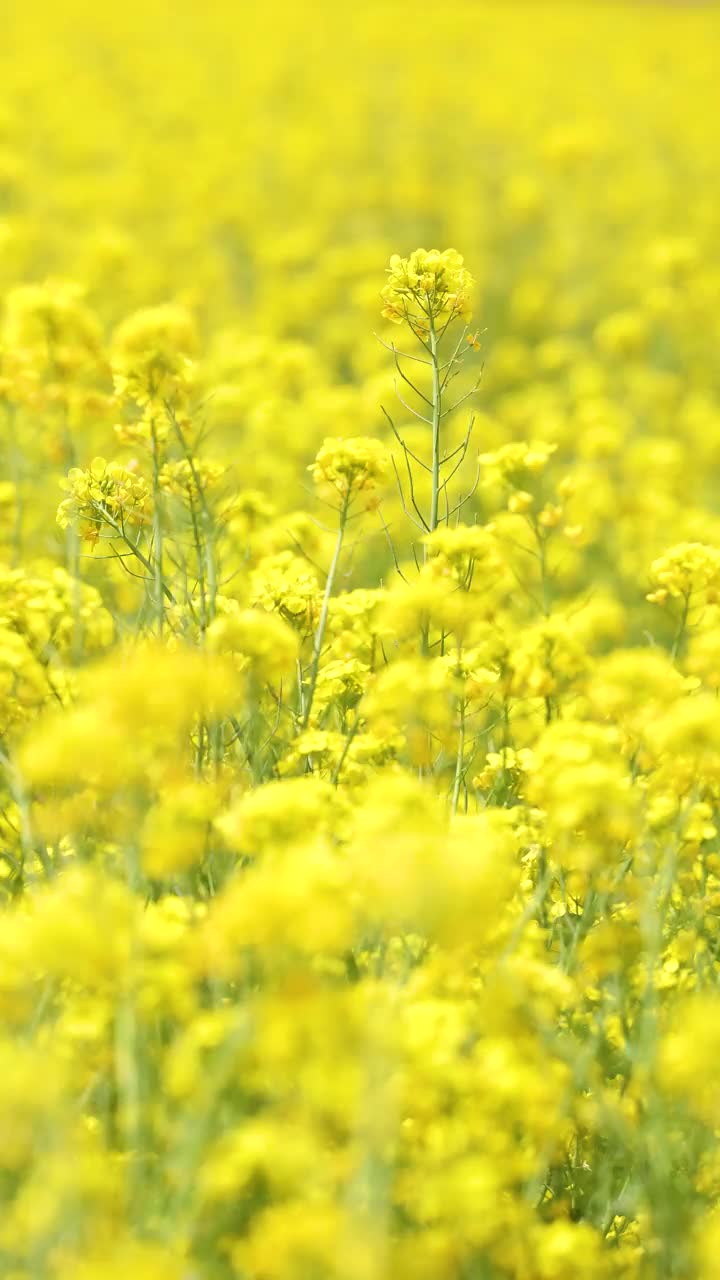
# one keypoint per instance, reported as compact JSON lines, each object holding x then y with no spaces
{"x":425,"y":286}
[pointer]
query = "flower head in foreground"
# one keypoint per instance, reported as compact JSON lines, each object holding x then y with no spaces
{"x":425,"y":286}
{"x":349,"y":467}
{"x":103,"y":493}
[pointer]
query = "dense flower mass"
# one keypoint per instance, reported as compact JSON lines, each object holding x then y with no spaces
{"x":349,"y":467}
{"x":359,"y":641}
{"x":426,"y":286}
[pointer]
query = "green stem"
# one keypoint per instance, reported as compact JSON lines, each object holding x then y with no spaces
{"x":210,"y":567}
{"x":146,"y":564}
{"x":346,"y":748}
{"x":460,"y":759}
{"x":679,"y":636}
{"x":200,"y":557}
{"x":157,"y":535}
{"x":320,"y":633}
{"x":436,"y":419}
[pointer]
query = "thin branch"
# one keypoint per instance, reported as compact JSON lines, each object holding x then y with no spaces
{"x":316,"y":497}
{"x":411,"y":384}
{"x":400,"y":441}
{"x":412,"y":491}
{"x":304,"y":553}
{"x":473,"y":391}
{"x":343,"y":755}
{"x":391,"y":544}
{"x":470,"y":492}
{"x":405,"y":354}
{"x":140,"y":576}
{"x":461,"y":447}
{"x":457,"y":466}
{"x":403,"y":504}
{"x":115,"y":555}
{"x":451,"y":316}
{"x":453,"y":360}
{"x":420,"y":417}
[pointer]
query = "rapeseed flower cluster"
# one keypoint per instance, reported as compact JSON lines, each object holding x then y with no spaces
{"x":359,"y":642}
{"x":426,"y":286}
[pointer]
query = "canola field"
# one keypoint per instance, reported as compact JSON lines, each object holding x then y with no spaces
{"x":359,"y":641}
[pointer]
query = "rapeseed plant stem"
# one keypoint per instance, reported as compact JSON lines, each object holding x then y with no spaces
{"x":322,"y":621}
{"x":209,"y":566}
{"x":158,"y":546}
{"x":149,"y":565}
{"x":681,"y":628}
{"x":459,"y":758}
{"x":436,"y":422}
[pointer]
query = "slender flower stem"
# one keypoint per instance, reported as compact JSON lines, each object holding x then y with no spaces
{"x":460,"y":758}
{"x":542,"y":562}
{"x":436,"y":419}
{"x":206,"y":567}
{"x":139,"y":555}
{"x":681,"y":628}
{"x":201,"y":565}
{"x":157,"y":535}
{"x":322,"y":622}
{"x":209,"y":550}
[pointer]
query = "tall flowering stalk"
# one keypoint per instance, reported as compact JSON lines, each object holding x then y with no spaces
{"x":345,"y":472}
{"x":429,"y":291}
